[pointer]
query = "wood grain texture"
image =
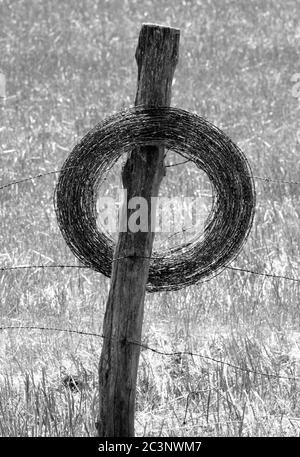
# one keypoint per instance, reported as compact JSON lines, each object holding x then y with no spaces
{"x":156,"y":56}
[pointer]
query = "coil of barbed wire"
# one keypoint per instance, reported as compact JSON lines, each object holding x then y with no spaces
{"x":227,"y":226}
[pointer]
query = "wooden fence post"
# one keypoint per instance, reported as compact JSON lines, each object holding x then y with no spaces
{"x":156,"y":56}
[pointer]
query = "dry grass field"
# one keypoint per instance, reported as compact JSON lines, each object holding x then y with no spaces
{"x":69,"y":64}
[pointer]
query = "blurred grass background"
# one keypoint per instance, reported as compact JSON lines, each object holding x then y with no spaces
{"x":67,"y":66}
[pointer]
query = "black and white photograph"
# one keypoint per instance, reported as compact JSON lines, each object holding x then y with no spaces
{"x":149,"y":224}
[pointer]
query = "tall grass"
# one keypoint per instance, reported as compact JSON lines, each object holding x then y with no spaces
{"x":68,"y":65}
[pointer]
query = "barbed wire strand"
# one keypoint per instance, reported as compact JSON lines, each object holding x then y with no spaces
{"x":149,"y":348}
{"x":29,"y":178}
{"x":20,"y":267}
{"x":40,"y":175}
{"x":268,"y":275}
{"x":28,"y":267}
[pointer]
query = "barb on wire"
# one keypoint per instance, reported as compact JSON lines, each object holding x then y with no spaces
{"x":276,"y":180}
{"x":149,"y":348}
{"x":176,"y":164}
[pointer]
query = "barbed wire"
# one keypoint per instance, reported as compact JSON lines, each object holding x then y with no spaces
{"x":29,"y":178}
{"x":40,"y":175}
{"x":268,"y":275}
{"x":28,"y":267}
{"x":149,"y":348}
{"x":144,"y":346}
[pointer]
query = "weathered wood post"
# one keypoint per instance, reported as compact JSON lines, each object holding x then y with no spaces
{"x":156,"y":56}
